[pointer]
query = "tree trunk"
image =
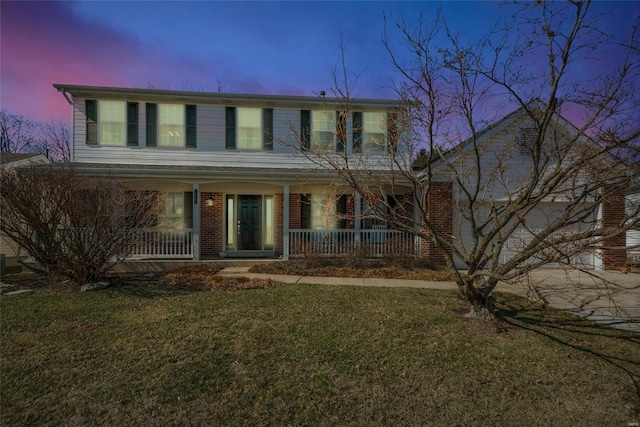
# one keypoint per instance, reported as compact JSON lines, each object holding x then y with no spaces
{"x":482,"y":308}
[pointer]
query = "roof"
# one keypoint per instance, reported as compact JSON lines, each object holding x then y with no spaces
{"x":7,"y":158}
{"x":221,"y":98}
{"x":206,"y":172}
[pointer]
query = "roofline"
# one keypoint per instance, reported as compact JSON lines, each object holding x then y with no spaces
{"x":222,"y":98}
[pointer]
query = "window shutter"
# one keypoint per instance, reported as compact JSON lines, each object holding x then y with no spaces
{"x":91,"y":111}
{"x":267,"y":129}
{"x":188,"y":209}
{"x":392,"y":131}
{"x":341,"y":131}
{"x":305,"y":211}
{"x":357,"y":132}
{"x":190,"y":112}
{"x":152,"y":125}
{"x":341,"y":209}
{"x":132,"y":124}
{"x":230,"y":124}
{"x":305,"y":129}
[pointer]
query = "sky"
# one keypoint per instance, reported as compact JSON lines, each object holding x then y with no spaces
{"x":267,"y":47}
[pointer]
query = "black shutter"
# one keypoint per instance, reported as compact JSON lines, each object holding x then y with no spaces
{"x":230,"y":124}
{"x":132,"y":124}
{"x":305,"y":129}
{"x":152,"y":125}
{"x":341,"y":209}
{"x":267,"y":129}
{"x":305,"y":211}
{"x":190,"y":112}
{"x":357,"y":132}
{"x":188,"y":209}
{"x":341,"y":131}
{"x":91,"y":111}
{"x":392,"y":131}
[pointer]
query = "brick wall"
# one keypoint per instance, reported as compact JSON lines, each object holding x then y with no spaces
{"x":440,"y":214}
{"x":211,"y":226}
{"x":614,"y":252}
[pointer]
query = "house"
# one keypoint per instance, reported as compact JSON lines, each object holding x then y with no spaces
{"x":8,"y":249}
{"x":235,"y":180}
{"x":230,"y":169}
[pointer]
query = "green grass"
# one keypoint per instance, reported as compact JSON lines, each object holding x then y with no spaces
{"x":306,"y":355}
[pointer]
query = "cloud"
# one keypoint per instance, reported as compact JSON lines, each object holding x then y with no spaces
{"x":47,"y":42}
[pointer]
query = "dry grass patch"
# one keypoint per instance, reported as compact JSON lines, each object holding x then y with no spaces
{"x":203,"y":277}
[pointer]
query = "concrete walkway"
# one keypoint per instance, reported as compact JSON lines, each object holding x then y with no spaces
{"x":607,"y":297}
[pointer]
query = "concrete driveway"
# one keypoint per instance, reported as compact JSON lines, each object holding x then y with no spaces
{"x":607,"y":297}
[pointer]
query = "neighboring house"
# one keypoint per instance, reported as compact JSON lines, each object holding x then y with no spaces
{"x":505,"y":161}
{"x":226,"y":169}
{"x":8,"y":247}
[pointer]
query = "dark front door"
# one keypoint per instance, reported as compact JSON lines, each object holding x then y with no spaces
{"x":249,"y":222}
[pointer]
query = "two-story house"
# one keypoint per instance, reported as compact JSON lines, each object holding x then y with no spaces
{"x":230,"y":169}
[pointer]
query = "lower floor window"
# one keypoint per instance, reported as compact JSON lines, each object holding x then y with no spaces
{"x":178,"y":210}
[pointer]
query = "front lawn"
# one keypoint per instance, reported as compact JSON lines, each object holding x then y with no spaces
{"x":306,"y":355}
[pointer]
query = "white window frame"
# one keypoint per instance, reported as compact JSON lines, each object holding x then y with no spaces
{"x":171,"y":126}
{"x":243,"y":125}
{"x":108,"y":118}
{"x":330,"y":118}
{"x":324,"y":212}
{"x":172,"y":216}
{"x":374,"y":137}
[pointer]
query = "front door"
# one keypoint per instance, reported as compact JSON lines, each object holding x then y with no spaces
{"x":249,"y":222}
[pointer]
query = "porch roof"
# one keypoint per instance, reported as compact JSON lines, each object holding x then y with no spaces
{"x":217,"y":172}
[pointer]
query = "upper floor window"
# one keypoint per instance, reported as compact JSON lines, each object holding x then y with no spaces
{"x":170,"y":125}
{"x":323,"y":130}
{"x":249,"y":128}
{"x":111,"y":122}
{"x":374,"y":131}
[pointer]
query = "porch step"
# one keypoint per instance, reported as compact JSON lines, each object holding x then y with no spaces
{"x":144,"y":266}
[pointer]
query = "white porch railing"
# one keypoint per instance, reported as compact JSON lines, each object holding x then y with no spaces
{"x":164,"y":244}
{"x":344,"y":242}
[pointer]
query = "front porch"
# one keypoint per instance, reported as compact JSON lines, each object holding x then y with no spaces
{"x":378,"y":242}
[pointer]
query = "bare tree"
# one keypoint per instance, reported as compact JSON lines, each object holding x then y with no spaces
{"x":72,"y":225}
{"x":54,"y":140}
{"x":540,"y":167}
{"x":17,"y":133}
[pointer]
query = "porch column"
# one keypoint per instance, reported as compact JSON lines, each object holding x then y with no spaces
{"x":357,"y":215}
{"x":285,"y":222}
{"x":195,"y":236}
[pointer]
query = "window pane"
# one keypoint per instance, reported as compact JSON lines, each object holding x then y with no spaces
{"x":112,"y":122}
{"x":268,"y":229}
{"x":323,"y":129}
{"x":173,"y":215}
{"x":374,"y":130}
{"x":171,"y":125}
{"x":231,"y":230}
{"x":323,"y":212}
{"x":249,"y":128}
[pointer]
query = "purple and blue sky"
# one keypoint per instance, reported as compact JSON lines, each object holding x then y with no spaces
{"x":287,"y":48}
